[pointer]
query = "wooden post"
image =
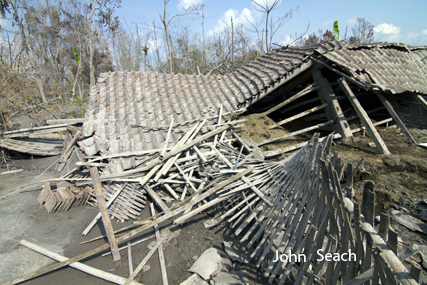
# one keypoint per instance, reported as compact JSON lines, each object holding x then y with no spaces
{"x":416,"y":272}
{"x":368,"y":202}
{"x":393,"y":240}
{"x":384,"y":226}
{"x":395,"y":117}
{"x":334,"y":112}
{"x":364,"y":117}
{"x":104,"y":213}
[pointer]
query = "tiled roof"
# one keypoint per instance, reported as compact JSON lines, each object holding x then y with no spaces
{"x":131,"y":111}
{"x":392,"y":67}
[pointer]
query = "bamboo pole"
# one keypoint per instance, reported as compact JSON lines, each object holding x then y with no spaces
{"x":77,"y":265}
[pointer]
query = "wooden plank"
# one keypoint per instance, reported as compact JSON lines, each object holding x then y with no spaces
{"x":110,"y":201}
{"x":293,"y":107}
{"x":421,"y":100}
{"x":66,"y":121}
{"x":167,"y":139}
{"x":35,"y":148}
{"x":160,"y":248}
{"x":334,"y":112}
{"x":129,"y":246}
{"x":171,"y":191}
{"x":143,"y":226}
{"x":32,"y":130}
{"x":318,"y":126}
{"x":156,"y":198}
{"x":303,"y":92}
{"x":143,"y":262}
{"x":185,"y":177}
{"x":219,"y":123}
{"x":257,"y":191}
{"x":300,"y":115}
{"x":364,"y":117}
{"x":395,"y":117}
{"x":77,"y":265}
{"x":104,"y":213}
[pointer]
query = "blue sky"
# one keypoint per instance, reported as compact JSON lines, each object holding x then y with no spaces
{"x":394,"y":20}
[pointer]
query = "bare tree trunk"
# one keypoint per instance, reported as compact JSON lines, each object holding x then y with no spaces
{"x":40,"y":85}
{"x":91,"y":45}
{"x":91,"y":53}
{"x":232,"y":41}
{"x":266,"y":34}
{"x":157,"y":47}
{"x":166,"y":25}
{"x":203,"y":30}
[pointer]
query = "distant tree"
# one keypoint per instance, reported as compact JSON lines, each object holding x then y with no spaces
{"x":363,"y":32}
{"x":266,"y":34}
{"x":104,"y":10}
{"x":315,"y":39}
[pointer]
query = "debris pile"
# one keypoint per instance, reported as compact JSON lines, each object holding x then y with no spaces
{"x":294,"y":206}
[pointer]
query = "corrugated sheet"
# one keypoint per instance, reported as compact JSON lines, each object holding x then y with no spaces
{"x":392,"y":67}
{"x":131,"y":111}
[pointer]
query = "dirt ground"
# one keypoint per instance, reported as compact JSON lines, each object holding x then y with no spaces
{"x":401,"y":174}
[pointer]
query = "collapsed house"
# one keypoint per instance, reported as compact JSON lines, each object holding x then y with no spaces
{"x":173,"y":137}
{"x":131,"y":111}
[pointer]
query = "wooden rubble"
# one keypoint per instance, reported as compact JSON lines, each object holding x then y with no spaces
{"x":296,"y":204}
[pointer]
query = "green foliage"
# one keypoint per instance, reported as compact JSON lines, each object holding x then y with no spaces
{"x":76,"y":55}
{"x":336,"y":31}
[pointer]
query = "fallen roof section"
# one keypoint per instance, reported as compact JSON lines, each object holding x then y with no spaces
{"x":132,"y":111}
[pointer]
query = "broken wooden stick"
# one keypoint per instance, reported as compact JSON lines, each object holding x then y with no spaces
{"x":143,"y":262}
{"x":77,"y":265}
{"x":110,"y":201}
{"x":160,"y":248}
{"x":104,"y":213}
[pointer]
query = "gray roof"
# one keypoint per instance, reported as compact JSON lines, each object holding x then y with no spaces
{"x":393,"y":67}
{"x":131,"y":111}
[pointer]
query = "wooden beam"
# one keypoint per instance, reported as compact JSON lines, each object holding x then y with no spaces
{"x":421,"y":100}
{"x":110,"y":201}
{"x":77,"y":265}
{"x":334,"y":112}
{"x":161,"y":255}
{"x":104,"y":213}
{"x":364,"y":117}
{"x":303,"y":92}
{"x":395,"y":117}
{"x":156,"y":198}
{"x":297,"y":132}
{"x":66,"y":121}
{"x":300,"y":115}
{"x":167,"y":139}
{"x":125,"y":236}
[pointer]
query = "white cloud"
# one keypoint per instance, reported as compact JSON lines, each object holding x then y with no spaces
{"x":388,"y":29}
{"x":225,"y":21}
{"x":288,"y":40}
{"x":353,"y":20}
{"x":185,"y":4}
{"x":424,"y":32}
{"x":328,"y":23}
